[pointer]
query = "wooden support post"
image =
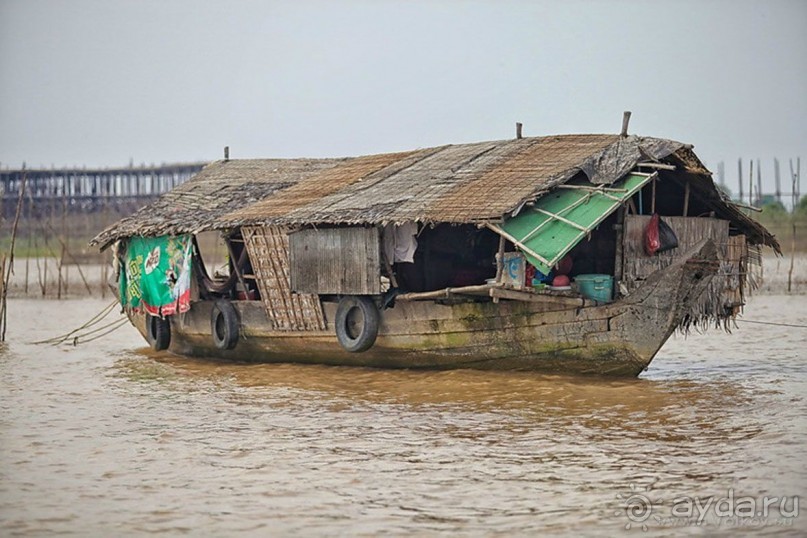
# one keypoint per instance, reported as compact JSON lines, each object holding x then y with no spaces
{"x":499,"y":264}
{"x":237,"y":269}
{"x":618,"y":259}
{"x":686,"y":199}
{"x":653,"y":197}
{"x":500,"y":259}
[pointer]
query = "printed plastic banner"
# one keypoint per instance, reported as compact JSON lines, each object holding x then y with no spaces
{"x":156,"y":274}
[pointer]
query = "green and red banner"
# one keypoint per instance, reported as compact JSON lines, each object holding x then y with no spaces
{"x":156,"y":274}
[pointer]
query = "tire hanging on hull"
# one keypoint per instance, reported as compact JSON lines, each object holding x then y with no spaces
{"x":158,"y":332}
{"x":357,"y":322}
{"x":224,"y":324}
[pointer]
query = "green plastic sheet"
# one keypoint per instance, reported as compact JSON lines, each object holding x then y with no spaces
{"x":548,"y":230}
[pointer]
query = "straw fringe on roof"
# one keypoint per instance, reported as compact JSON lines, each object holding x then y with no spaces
{"x":466,"y":183}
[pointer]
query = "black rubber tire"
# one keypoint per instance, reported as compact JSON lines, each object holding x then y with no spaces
{"x":350,"y":338}
{"x":158,"y":332}
{"x":224,"y":324}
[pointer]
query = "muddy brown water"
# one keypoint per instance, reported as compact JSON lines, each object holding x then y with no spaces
{"x":108,"y":438}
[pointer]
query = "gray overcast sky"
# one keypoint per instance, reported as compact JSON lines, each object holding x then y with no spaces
{"x":100,"y":82}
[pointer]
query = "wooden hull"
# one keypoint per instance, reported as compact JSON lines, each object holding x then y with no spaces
{"x":558,"y":334}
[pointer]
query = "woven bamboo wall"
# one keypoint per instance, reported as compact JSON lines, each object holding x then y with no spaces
{"x":268,"y":249}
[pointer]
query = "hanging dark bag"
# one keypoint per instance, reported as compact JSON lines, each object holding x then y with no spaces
{"x":666,"y":236}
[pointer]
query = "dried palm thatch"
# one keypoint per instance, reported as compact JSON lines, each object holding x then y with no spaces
{"x":218,"y":189}
{"x":466,"y":183}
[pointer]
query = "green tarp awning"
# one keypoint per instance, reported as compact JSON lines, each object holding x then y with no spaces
{"x":551,"y":227}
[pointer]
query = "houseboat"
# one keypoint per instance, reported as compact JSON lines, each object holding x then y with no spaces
{"x":572,"y":253}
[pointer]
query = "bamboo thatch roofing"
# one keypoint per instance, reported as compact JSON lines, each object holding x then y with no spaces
{"x":456,"y":183}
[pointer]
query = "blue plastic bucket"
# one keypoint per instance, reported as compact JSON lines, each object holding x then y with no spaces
{"x":596,"y":287}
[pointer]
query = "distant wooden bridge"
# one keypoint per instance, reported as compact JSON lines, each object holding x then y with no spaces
{"x":89,"y":190}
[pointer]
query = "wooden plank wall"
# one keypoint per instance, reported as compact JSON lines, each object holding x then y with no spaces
{"x":268,"y":249}
{"x":336,"y":261}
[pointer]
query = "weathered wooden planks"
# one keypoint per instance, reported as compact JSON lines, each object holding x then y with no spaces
{"x":336,"y":261}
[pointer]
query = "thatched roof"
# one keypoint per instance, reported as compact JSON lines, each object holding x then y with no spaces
{"x":456,"y":183}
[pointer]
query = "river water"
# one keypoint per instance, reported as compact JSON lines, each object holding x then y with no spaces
{"x":107,"y":438}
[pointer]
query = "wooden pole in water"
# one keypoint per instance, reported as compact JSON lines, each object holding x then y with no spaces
{"x":759,"y":183}
{"x":64,"y":237}
{"x":7,"y":272}
{"x":66,"y":253}
{"x":793,"y":236}
{"x":27,"y":261}
{"x":751,"y":184}
{"x":45,"y":279}
{"x":2,"y":297}
{"x":776,"y":175}
{"x":30,"y":250}
{"x":40,"y":281}
{"x":792,"y":258}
